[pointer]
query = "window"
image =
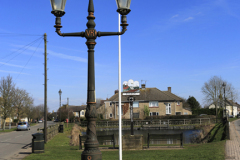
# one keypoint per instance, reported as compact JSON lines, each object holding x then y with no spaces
{"x":178,"y":113}
{"x":135,"y":104}
{"x":135,"y":115}
{"x":110,"y":115}
{"x":178,"y":103}
{"x":82,"y":113}
{"x":118,"y":110}
{"x":185,"y":113}
{"x":168,"y":108}
{"x":76,"y":115}
{"x":153,"y":104}
{"x":154,"y":114}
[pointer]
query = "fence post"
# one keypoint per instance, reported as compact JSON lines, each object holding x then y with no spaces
{"x":181,"y":138}
{"x":148,"y":140}
{"x":80,"y":142}
{"x":184,"y":121}
{"x":209,"y":120}
{"x":113,"y":141}
{"x":107,"y":123}
{"x":200,"y":120}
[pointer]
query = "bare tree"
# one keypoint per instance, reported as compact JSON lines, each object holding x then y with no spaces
{"x":213,"y":90}
{"x":28,"y":107}
{"x":6,"y":92}
{"x":20,"y":97}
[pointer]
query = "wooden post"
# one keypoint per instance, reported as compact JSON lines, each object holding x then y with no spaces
{"x":80,"y":142}
{"x":113,"y":141}
{"x":148,"y":140}
{"x":200,"y":120}
{"x":184,"y":121}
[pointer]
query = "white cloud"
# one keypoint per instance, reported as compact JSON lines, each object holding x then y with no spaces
{"x":175,"y":16}
{"x":12,"y":65}
{"x":64,"y":56}
{"x":188,"y":19}
{"x":52,"y":53}
{"x":13,"y":72}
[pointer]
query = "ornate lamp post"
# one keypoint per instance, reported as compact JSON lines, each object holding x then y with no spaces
{"x":60,"y":93}
{"x":91,"y":151}
{"x":131,"y":99}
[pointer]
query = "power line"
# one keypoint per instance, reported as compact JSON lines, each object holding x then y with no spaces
{"x":27,"y":46}
{"x":29,"y":59}
{"x":31,"y":43}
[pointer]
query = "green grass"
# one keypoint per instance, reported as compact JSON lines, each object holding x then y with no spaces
{"x":232,"y":119}
{"x":58,"y":148}
{"x":8,"y":130}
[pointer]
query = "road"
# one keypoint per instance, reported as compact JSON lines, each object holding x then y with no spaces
{"x":12,"y":143}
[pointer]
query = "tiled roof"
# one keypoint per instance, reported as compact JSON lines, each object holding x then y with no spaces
{"x":149,"y":94}
{"x":77,"y":108}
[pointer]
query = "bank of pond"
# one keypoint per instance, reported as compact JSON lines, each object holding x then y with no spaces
{"x":174,"y":138}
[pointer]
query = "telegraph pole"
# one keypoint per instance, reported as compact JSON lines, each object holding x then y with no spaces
{"x":68,"y":111}
{"x":45,"y":89}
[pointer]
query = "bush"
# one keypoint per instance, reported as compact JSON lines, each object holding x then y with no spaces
{"x":15,"y":120}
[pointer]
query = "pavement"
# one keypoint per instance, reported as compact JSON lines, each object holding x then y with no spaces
{"x":232,"y":146}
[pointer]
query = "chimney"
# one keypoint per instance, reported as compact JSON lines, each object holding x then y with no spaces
{"x":116,"y":91}
{"x":169,"y":89}
{"x":143,"y":86}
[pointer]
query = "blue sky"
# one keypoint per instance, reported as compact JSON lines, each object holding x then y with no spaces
{"x":179,"y":44}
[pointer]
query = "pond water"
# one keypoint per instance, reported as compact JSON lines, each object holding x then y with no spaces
{"x":167,"y":140}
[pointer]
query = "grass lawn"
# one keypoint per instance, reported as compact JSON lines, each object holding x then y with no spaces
{"x":58,"y":148}
{"x":14,"y":129}
{"x":232,"y":119}
{"x":8,"y":130}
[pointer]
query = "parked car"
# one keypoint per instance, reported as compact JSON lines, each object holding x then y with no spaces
{"x":23,"y":126}
{"x":40,"y":121}
{"x":230,"y":116}
{"x":56,"y":120}
{"x":203,"y":115}
{"x":238,"y":115}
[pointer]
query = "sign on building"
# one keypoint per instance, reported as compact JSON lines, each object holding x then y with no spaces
{"x":131,"y":87}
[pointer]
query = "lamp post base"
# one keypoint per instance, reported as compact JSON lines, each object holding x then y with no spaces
{"x":91,"y":155}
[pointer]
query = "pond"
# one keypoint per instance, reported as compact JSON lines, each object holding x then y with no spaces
{"x":168,"y":140}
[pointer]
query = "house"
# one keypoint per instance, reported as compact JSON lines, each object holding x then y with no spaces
{"x":159,"y":103}
{"x":233,"y":108}
{"x":78,"y":111}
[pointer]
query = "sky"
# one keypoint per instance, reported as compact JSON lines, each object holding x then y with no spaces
{"x":179,"y":44}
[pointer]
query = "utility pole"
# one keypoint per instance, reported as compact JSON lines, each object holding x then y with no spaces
{"x":45,"y":88}
{"x":216,"y":103}
{"x":68,"y":110}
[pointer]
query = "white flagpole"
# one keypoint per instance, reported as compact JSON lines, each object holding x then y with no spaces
{"x":119,"y":91}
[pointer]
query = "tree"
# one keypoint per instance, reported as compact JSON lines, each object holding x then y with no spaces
{"x":21,"y":100}
{"x":193,"y":103}
{"x":6,"y":92}
{"x":213,"y":89}
{"x":146,"y":111}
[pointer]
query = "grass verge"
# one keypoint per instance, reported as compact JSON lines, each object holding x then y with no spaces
{"x":232,"y":119}
{"x":59,"y":148}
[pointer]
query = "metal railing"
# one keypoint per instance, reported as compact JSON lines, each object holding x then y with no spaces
{"x":154,"y":122}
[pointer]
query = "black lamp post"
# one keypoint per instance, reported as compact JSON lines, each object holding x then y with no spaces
{"x":60,"y":93}
{"x":224,"y":85}
{"x":131,"y":99}
{"x":91,"y":151}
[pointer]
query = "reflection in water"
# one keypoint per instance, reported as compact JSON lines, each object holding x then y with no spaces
{"x":174,"y":139}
